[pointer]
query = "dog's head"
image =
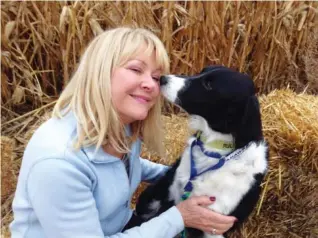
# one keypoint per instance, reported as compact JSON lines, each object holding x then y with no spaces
{"x":223,"y":97}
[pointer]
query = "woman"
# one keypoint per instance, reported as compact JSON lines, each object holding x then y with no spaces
{"x":81,"y":167}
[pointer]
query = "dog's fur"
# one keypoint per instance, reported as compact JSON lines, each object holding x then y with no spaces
{"x":223,"y":106}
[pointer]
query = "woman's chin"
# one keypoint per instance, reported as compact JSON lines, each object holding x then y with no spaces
{"x":134,"y":117}
{"x":141,"y":116}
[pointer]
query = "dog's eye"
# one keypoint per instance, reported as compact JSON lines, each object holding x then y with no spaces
{"x":207,"y":84}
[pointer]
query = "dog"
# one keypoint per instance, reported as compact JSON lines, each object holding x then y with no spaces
{"x":226,"y":158}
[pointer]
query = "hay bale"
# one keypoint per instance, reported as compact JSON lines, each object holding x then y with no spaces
{"x":5,"y":233}
{"x":176,"y":133}
{"x":8,"y":177}
{"x":290,"y":123}
{"x":9,"y":171}
{"x":289,"y":201}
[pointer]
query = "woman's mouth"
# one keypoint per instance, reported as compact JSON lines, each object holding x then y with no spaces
{"x":141,"y":99}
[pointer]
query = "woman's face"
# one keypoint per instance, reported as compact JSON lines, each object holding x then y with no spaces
{"x":135,"y":87}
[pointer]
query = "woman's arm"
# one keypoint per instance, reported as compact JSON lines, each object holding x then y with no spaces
{"x":64,"y":204}
{"x":150,"y":171}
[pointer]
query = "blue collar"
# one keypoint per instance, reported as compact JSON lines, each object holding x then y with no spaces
{"x":222,"y":159}
{"x":198,"y":142}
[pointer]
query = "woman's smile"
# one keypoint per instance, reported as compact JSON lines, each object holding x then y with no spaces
{"x":141,"y":99}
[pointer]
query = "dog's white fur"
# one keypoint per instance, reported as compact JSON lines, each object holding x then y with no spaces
{"x":221,"y":183}
{"x":171,"y":90}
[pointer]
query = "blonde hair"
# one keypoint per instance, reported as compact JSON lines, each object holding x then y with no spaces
{"x":88,"y":94}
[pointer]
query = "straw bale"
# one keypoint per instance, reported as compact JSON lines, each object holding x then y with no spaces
{"x":8,"y":177}
{"x":290,"y":124}
{"x":175,"y":132}
{"x":5,"y":233}
{"x":288,"y":207}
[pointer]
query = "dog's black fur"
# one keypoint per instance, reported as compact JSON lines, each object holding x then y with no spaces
{"x":226,"y":100}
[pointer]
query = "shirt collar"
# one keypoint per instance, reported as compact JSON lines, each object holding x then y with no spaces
{"x":98,"y":155}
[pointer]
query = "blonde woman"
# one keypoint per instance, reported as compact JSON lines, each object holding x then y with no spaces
{"x":81,"y":167}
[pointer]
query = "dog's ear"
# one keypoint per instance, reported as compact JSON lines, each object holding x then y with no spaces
{"x":250,"y":128}
{"x":211,"y":67}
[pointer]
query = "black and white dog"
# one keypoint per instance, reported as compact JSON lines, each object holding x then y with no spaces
{"x":226,"y":158}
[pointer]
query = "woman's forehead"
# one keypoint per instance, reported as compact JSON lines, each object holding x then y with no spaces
{"x":147,"y":59}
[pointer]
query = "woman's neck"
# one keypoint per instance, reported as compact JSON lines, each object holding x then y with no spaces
{"x":111,"y":150}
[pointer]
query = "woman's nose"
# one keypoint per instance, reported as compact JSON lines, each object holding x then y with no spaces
{"x":149,"y":83}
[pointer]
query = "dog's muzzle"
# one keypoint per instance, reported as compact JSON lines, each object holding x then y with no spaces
{"x":170,"y":86}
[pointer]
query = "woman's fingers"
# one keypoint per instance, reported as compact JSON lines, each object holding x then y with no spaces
{"x":221,"y":227}
{"x":214,"y":222}
{"x":219,"y":218}
{"x":210,"y":219}
{"x":203,"y":200}
{"x":192,"y":213}
{"x":217,"y":228}
{"x":196,"y":214}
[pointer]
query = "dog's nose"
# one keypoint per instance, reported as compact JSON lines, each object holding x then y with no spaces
{"x":163,"y":80}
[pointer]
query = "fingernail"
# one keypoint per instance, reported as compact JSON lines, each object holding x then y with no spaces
{"x":212,"y":199}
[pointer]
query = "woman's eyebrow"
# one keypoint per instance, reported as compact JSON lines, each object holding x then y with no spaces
{"x":144,"y":63}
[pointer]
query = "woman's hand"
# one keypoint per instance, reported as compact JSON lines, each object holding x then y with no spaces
{"x":195,"y":215}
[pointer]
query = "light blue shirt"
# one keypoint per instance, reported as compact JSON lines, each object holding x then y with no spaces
{"x":62,"y":192}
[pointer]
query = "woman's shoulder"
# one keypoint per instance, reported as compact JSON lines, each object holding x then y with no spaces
{"x":52,"y":137}
{"x":52,"y":147}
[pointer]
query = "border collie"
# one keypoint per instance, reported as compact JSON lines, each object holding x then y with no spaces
{"x":226,"y":157}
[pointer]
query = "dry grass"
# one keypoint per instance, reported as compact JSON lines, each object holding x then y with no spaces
{"x":42,"y":41}
{"x":7,"y":171}
{"x":8,"y":178}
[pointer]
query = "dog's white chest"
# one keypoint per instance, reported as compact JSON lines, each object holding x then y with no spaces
{"x":228,"y":183}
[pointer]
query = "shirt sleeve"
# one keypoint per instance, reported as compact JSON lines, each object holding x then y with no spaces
{"x":150,"y":171}
{"x":167,"y":225}
{"x":62,"y":199}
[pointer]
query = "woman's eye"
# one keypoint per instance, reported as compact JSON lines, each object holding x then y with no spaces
{"x":157,"y":79}
{"x":136,"y":70}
